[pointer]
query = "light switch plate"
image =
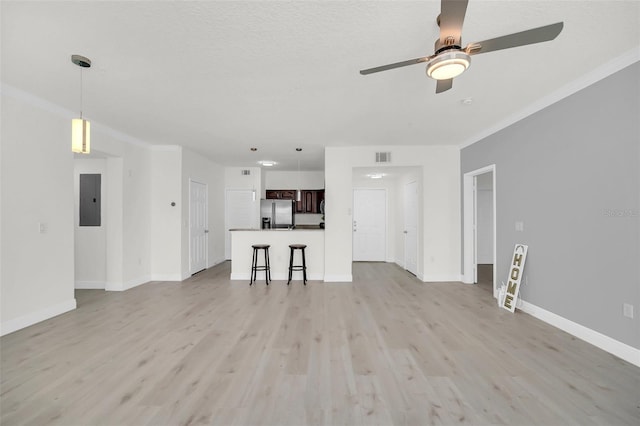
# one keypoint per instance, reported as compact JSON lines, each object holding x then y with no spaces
{"x":627,"y":310}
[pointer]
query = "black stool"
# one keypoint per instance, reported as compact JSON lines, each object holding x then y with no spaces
{"x":254,"y":263}
{"x":293,"y":267}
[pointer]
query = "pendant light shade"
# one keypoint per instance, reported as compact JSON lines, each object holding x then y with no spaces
{"x":80,"y":136}
{"x":81,"y":128}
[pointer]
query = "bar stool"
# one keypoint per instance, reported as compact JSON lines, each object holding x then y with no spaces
{"x":292,"y":267}
{"x":254,"y":263}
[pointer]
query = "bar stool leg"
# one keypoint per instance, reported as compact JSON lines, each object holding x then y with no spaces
{"x":304,"y":268}
{"x":291,"y":251}
{"x":267,"y":269}
{"x":253,"y":266}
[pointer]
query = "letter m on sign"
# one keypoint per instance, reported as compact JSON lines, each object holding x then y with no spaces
{"x":515,"y":276}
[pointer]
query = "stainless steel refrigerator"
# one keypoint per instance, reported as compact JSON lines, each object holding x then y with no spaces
{"x":277,"y":213}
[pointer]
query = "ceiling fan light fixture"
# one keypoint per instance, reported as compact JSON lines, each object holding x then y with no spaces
{"x":448,"y":65}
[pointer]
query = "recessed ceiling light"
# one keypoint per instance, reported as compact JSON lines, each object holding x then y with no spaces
{"x":376,"y":175}
{"x":466,"y":101}
{"x":267,"y":163}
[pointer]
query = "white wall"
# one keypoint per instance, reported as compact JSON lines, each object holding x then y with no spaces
{"x":440,"y":199}
{"x":36,"y":187}
{"x":166,"y":220}
{"x":90,"y":242}
{"x":293,"y":180}
{"x":129,"y":208}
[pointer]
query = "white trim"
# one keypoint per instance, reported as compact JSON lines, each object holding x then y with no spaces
{"x":440,"y":278}
{"x":337,"y":278}
{"x":166,"y":277}
{"x":468,"y":211}
{"x":136,"y":282}
{"x":170,"y":148}
{"x":606,"y":343}
{"x":36,"y":317}
{"x":216,"y":262}
{"x":128,"y":284}
{"x":567,"y":90}
{"x":90,"y":285}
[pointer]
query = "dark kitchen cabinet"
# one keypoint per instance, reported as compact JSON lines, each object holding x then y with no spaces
{"x":281,"y":194}
{"x":309,"y":201}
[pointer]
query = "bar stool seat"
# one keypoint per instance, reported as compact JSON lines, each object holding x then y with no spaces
{"x":292,"y":267}
{"x":254,"y":263}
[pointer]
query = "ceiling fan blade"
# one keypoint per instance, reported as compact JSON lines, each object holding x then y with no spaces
{"x":534,"y":35}
{"x":444,"y":85}
{"x":396,"y":65}
{"x":451,"y":19}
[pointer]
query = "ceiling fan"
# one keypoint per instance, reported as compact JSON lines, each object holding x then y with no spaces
{"x":451,"y":59}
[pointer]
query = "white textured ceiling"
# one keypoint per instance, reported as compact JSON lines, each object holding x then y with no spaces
{"x":222,"y":76}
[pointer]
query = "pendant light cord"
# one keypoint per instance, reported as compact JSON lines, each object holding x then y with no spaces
{"x":80,"y":92}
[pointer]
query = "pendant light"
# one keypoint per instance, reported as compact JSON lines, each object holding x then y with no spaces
{"x":299,"y":192}
{"x":80,"y":128}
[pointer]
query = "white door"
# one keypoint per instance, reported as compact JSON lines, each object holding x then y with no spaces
{"x":411,"y":227}
{"x":240,"y":212}
{"x":198,"y":232}
{"x":369,"y":224}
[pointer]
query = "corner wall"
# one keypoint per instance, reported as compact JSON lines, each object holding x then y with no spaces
{"x":37,"y":255}
{"x":570,"y":173}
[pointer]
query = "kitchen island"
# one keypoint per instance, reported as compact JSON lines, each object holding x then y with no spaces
{"x":279,"y":240}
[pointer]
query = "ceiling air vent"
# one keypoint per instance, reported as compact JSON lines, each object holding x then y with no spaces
{"x":245,"y":172}
{"x":383,"y":157}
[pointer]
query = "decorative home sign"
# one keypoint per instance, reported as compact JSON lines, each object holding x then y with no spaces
{"x":515,"y":275}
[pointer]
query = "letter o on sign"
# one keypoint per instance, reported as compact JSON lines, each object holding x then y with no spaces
{"x":515,"y":273}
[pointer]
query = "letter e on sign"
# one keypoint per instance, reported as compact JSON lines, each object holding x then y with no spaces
{"x":515,"y":276}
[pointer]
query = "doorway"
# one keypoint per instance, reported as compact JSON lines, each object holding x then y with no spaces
{"x":369,"y":225}
{"x":198,"y":226}
{"x":484,"y":230}
{"x":479,"y":221}
{"x":411,"y":227}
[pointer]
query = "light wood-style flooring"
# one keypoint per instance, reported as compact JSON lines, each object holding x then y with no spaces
{"x":386,"y":349}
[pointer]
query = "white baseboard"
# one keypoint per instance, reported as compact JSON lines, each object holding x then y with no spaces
{"x":90,"y":285}
{"x":216,"y":262}
{"x":278,"y":276}
{"x":347,"y":278}
{"x":166,"y":277}
{"x":606,"y":343}
{"x":127,"y":285}
{"x":438,"y":278}
{"x":467,"y":279}
{"x":36,"y":317}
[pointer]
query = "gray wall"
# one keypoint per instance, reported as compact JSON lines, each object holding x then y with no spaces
{"x":570,"y":173}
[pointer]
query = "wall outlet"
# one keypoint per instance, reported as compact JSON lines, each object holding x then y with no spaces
{"x":519,"y":226}
{"x":42,"y":227}
{"x":627,"y":310}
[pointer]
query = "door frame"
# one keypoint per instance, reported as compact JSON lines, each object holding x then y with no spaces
{"x":206,"y":225}
{"x":469,"y":215}
{"x":404,"y":249}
